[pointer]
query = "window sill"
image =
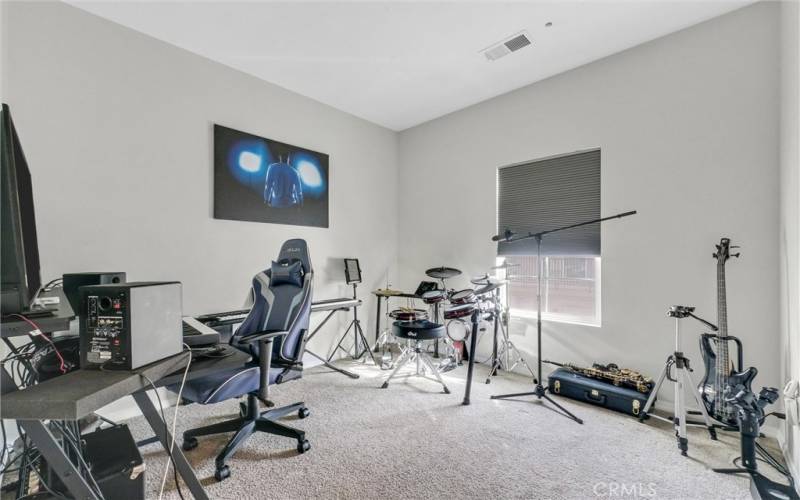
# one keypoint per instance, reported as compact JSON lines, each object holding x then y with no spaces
{"x":522,"y":313}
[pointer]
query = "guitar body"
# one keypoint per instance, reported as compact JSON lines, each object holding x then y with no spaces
{"x":725,"y":415}
{"x":720,"y":381}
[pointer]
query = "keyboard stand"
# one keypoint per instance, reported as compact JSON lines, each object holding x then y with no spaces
{"x":332,"y":306}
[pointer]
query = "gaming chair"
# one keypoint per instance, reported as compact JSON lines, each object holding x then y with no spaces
{"x":276,"y":325}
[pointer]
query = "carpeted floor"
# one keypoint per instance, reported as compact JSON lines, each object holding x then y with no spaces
{"x":413,"y":441}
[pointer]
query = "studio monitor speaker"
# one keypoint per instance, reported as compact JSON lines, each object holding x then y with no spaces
{"x":73,"y":281}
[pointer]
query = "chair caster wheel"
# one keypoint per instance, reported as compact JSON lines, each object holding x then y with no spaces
{"x":385,"y":385}
{"x":303,"y":446}
{"x":189,"y":444}
{"x":223,"y":472}
{"x":303,"y":412}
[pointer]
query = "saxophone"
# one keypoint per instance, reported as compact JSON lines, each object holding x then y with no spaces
{"x":620,"y":377}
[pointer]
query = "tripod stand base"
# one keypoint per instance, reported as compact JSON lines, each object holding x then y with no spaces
{"x":333,"y":367}
{"x":683,"y":445}
{"x":732,"y":470}
{"x":761,"y":487}
{"x":541,"y":393}
{"x":506,"y":350}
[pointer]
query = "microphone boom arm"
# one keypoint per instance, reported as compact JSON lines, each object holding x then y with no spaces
{"x":542,"y":233}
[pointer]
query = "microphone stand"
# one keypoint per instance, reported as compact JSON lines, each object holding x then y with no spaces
{"x":540,"y":391}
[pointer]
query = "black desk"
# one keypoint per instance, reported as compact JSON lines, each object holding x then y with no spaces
{"x":77,"y":394}
{"x":58,"y":321}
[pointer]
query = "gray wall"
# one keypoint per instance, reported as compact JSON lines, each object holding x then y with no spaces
{"x":117,"y":129}
{"x":688,"y":127}
{"x":790,"y":208}
{"x":687,"y":124}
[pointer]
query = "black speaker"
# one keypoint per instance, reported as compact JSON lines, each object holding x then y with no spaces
{"x":130,"y":324}
{"x":73,"y":281}
{"x":115,"y":461}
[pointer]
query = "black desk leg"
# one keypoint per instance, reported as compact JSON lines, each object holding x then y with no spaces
{"x":377,"y":322}
{"x":64,"y":468}
{"x":159,"y":428}
{"x":495,"y":361}
{"x":436,"y":320}
{"x":473,"y":340}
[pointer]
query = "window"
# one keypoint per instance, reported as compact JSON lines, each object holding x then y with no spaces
{"x":544,"y":195}
{"x":570,"y":289}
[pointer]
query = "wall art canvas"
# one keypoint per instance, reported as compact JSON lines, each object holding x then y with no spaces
{"x":261,"y":180}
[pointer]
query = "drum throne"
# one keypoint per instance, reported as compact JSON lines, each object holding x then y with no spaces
{"x":416,"y":333}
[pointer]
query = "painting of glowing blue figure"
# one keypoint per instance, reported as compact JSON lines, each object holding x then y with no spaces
{"x":261,"y":180}
{"x":283,"y":187}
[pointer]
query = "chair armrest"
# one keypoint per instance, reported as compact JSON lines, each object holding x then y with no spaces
{"x":264,"y":340}
{"x":258,"y":336}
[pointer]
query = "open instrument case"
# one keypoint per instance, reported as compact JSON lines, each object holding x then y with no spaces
{"x":567,"y":383}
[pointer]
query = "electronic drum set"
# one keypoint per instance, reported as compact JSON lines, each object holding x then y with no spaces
{"x":451,"y":317}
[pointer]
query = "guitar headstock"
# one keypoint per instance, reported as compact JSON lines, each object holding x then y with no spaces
{"x":723,"y":252}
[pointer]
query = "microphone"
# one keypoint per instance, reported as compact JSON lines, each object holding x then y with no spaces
{"x":505,"y":236}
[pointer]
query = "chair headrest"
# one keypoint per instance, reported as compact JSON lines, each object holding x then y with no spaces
{"x":296,"y":249}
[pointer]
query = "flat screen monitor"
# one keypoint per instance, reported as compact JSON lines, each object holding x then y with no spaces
{"x":21,"y":278}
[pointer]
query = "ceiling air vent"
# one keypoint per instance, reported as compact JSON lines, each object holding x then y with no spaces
{"x":511,"y":44}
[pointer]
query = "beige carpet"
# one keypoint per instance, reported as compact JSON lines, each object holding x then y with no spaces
{"x":412,"y":441}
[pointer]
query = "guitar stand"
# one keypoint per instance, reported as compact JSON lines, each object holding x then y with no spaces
{"x":761,"y":487}
{"x":682,"y":378}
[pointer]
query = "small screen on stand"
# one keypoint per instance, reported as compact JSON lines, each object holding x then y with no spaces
{"x":352,"y":271}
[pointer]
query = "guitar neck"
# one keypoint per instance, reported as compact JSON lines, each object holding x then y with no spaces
{"x":723,"y":366}
{"x":722,"y":305}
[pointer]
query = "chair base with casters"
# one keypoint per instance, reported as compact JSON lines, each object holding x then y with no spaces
{"x":253,"y":420}
{"x":416,"y":332}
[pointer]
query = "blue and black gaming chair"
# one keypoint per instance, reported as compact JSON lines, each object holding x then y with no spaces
{"x":277,"y":325}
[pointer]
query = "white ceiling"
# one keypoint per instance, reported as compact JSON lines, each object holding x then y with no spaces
{"x":402,"y":63}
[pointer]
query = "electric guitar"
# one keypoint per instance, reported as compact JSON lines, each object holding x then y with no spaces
{"x":721,"y":376}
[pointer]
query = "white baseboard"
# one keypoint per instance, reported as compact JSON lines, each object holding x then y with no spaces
{"x":791,"y":461}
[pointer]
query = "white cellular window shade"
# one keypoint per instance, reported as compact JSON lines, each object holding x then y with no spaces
{"x":548,"y":194}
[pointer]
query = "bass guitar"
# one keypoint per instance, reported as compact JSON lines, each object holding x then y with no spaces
{"x":721,"y":376}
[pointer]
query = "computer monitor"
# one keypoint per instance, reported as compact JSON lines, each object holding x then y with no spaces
{"x":21,"y":279}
